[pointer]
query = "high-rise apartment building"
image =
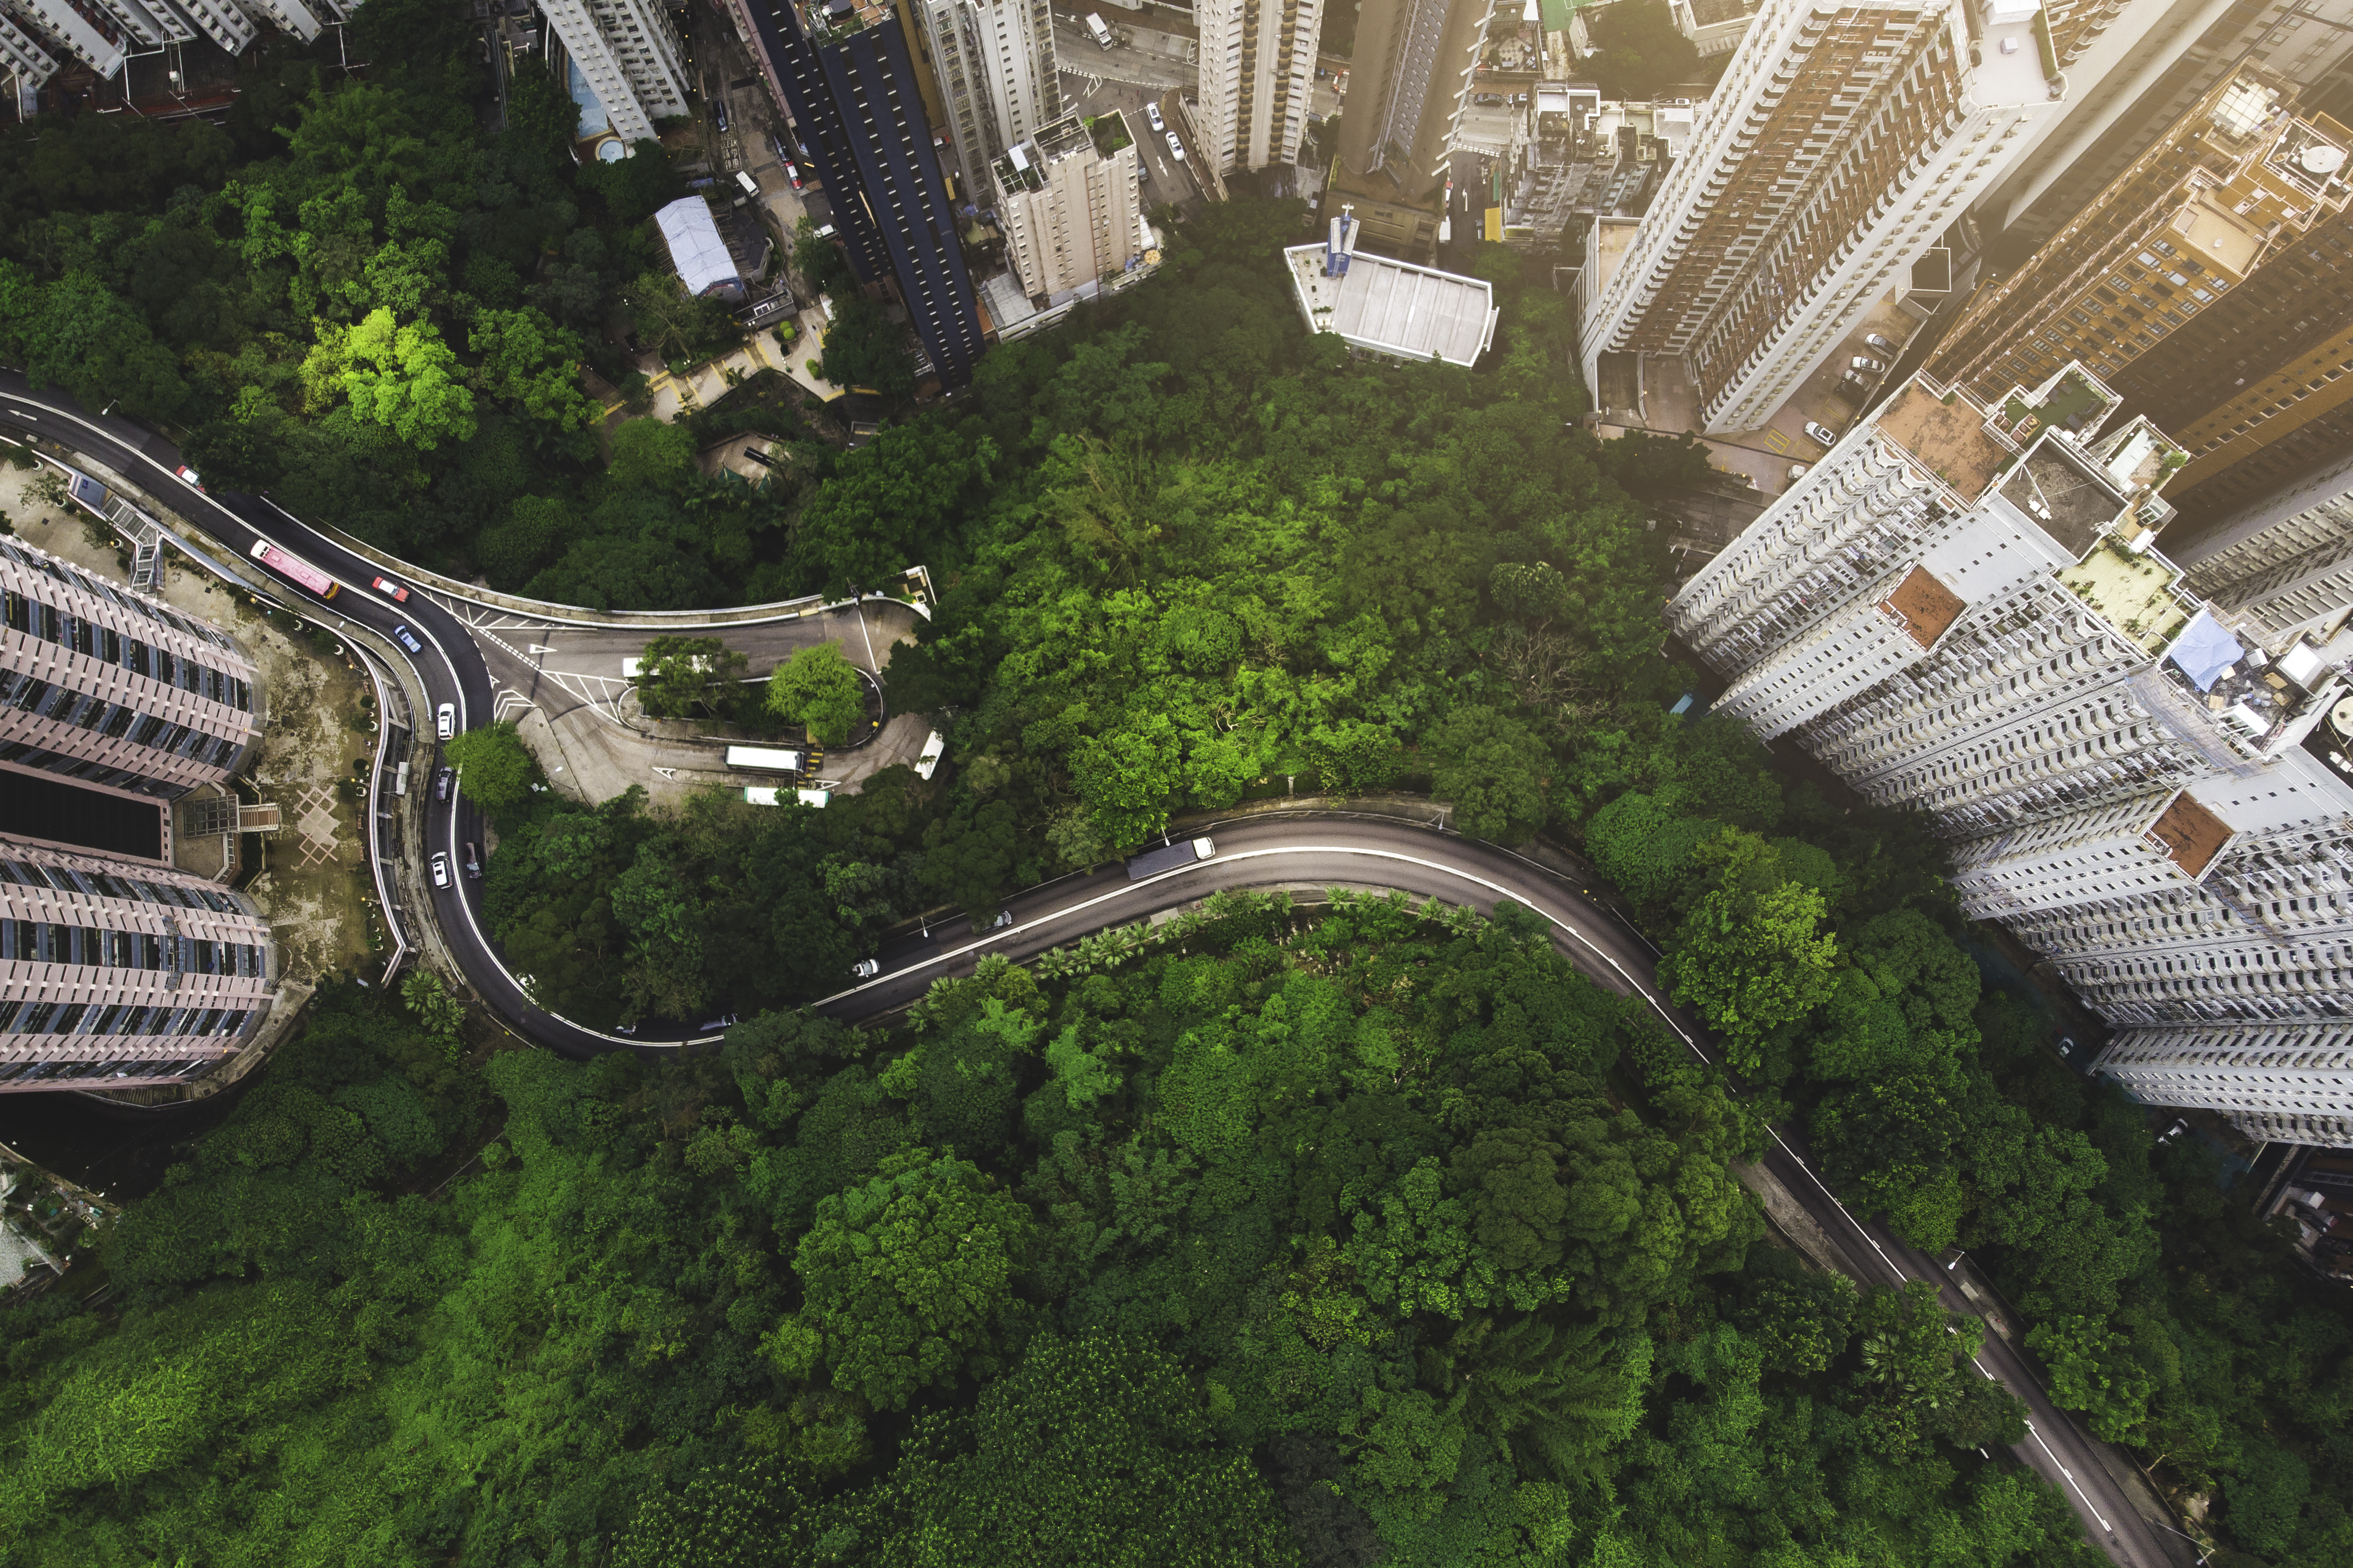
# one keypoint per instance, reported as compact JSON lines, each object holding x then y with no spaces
{"x":303,"y":21}
{"x":993,"y":64}
{"x":111,"y":970}
{"x":1961,"y":609}
{"x":2285,"y":1081}
{"x":92,"y":37}
{"x":22,"y":56}
{"x":629,"y":54}
{"x":848,"y":81}
{"x":1071,"y":214}
{"x":2287,"y":561}
{"x":1410,"y":78}
{"x":112,"y":688}
{"x":2230,"y":184}
{"x":1843,"y":141}
{"x":1258,"y":71}
{"x":2138,"y":66}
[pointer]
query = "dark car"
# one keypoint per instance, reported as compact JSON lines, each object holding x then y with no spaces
{"x":406,"y":638}
{"x":445,"y":782}
{"x":724,"y":1021}
{"x":473,"y":861}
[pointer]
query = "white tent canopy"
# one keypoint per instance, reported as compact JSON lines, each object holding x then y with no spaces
{"x":696,"y":249}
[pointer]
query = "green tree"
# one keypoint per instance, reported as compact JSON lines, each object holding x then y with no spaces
{"x":532,"y":362}
{"x":1751,"y":962}
{"x":969,"y":857}
{"x":1494,"y":773}
{"x":820,"y":690}
{"x":1639,"y":51}
{"x":1094,"y":1449}
{"x":404,"y":378}
{"x":907,"y":1282}
{"x":494,"y":768}
{"x":681,"y":676}
{"x":2093,"y":1370}
{"x":865,"y":350}
{"x":1126,"y":778}
{"x":648,"y":453}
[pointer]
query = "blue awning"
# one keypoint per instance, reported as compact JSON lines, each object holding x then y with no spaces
{"x":2205,"y":650}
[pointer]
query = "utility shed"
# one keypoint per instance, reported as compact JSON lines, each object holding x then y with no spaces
{"x":698,"y":252}
{"x":1393,"y":306}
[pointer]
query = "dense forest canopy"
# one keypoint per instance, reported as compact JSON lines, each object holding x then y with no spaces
{"x":1339,"y":1234}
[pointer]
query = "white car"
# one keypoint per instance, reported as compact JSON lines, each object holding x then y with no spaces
{"x":1882,"y":345}
{"x":1821,"y":432}
{"x":865,"y":968}
{"x":1175,"y":148}
{"x":445,"y":721}
{"x":440,"y":869}
{"x":1869,"y":366}
{"x":1152,"y":113}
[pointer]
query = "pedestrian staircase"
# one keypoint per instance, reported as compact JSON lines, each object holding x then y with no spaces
{"x":146,"y":536}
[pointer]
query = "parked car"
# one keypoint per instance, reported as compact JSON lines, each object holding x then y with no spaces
{"x":1152,"y":113}
{"x":391,"y":590}
{"x":406,"y":638}
{"x":1868,"y":366}
{"x":1882,"y":345}
{"x":188,"y":476}
{"x":473,"y":861}
{"x":1175,"y":148}
{"x":1797,"y":471}
{"x":440,"y":870}
{"x":445,"y":785}
{"x":865,"y":968}
{"x":1852,"y":385}
{"x":719,"y":112}
{"x":1821,"y":432}
{"x":445,"y":721}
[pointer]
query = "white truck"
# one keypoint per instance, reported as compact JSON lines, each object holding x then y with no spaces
{"x":1095,"y":29}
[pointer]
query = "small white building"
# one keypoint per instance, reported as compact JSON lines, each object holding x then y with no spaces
{"x":1387,"y":307}
{"x":697,"y":251}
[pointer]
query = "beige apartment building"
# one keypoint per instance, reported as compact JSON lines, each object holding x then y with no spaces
{"x":1070,"y":212}
{"x":109,"y":687}
{"x":2214,"y":197}
{"x":1842,"y":143}
{"x":111,"y":970}
{"x":1258,"y":72}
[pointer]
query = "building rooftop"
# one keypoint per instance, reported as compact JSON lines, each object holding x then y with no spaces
{"x":1946,"y":436}
{"x":2134,"y":593}
{"x":696,"y":249}
{"x":1394,"y":307}
{"x":2191,"y":835}
{"x":2223,"y":239}
{"x":2072,"y":500}
{"x":1924,"y":605}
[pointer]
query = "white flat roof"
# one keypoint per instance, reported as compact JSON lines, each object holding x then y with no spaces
{"x":1394,"y":307}
{"x":695,"y":248}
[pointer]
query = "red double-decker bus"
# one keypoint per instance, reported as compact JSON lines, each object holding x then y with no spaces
{"x":295,"y":570}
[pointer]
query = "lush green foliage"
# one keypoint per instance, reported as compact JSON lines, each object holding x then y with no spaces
{"x":1271,"y":1240}
{"x":495,"y":769}
{"x":820,"y":690}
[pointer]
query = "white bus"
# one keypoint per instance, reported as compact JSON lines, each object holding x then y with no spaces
{"x":764,"y":759}
{"x":770,"y":795}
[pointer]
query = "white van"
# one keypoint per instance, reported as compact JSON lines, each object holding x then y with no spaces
{"x":1095,"y":29}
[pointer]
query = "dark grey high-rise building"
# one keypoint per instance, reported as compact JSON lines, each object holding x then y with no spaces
{"x":845,"y":73}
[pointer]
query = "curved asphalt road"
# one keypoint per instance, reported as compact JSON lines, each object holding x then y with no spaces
{"x":1277,"y":851}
